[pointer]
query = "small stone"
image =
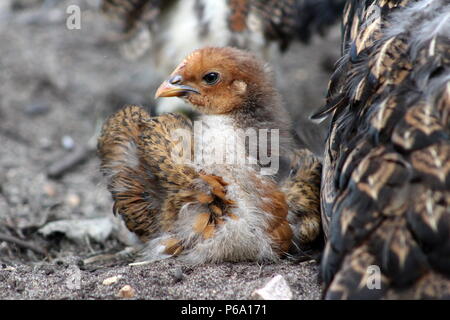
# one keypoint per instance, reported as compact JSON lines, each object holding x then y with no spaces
{"x":67,"y":142}
{"x":111,"y":280}
{"x":178,"y":275}
{"x":73,"y":200}
{"x":126,"y":292}
{"x":276,"y":289}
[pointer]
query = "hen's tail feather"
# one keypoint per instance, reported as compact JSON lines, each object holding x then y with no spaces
{"x":289,"y":20}
{"x":133,"y":13}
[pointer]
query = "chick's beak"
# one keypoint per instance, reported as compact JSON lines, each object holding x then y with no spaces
{"x":173,"y":88}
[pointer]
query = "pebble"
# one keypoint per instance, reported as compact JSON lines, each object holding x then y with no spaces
{"x":126,"y":292}
{"x":73,"y":200}
{"x":67,"y":142}
{"x":111,"y":280}
{"x":276,"y":289}
{"x":178,"y":274}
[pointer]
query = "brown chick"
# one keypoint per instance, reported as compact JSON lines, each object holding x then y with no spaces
{"x":231,"y":186}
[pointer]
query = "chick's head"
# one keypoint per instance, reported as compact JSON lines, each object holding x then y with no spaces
{"x":218,"y":80}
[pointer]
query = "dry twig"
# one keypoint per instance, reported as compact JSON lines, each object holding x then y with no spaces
{"x":22,"y":243}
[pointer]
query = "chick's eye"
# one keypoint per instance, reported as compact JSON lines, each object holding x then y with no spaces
{"x":211,"y":78}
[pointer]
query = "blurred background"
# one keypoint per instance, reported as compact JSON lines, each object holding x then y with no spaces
{"x":58,"y":85}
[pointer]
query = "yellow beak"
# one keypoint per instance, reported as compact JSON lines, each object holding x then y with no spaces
{"x":167,"y":89}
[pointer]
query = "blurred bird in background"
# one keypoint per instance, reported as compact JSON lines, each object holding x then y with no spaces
{"x":213,"y":209}
{"x":166,"y":31}
{"x":386,"y":176}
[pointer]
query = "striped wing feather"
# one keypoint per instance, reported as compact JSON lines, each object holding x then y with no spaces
{"x":147,"y":185}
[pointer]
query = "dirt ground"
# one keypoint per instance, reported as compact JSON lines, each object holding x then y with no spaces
{"x":57,"y":87}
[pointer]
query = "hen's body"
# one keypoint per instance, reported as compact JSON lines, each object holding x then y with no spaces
{"x":386,"y":182}
{"x":213,"y":208}
{"x":169,"y":30}
{"x":176,"y":28}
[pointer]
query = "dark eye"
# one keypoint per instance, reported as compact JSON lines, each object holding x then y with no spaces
{"x":211,"y":78}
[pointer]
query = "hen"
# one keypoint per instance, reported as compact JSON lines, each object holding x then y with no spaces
{"x":231,"y":186}
{"x":169,"y":30}
{"x":385,"y":191}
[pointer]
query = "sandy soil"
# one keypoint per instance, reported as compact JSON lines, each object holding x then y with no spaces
{"x":57,"y":87}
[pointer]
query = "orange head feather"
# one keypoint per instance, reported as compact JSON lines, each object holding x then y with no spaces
{"x":218,"y":80}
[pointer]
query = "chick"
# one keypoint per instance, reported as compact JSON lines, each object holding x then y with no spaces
{"x":232,"y":185}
